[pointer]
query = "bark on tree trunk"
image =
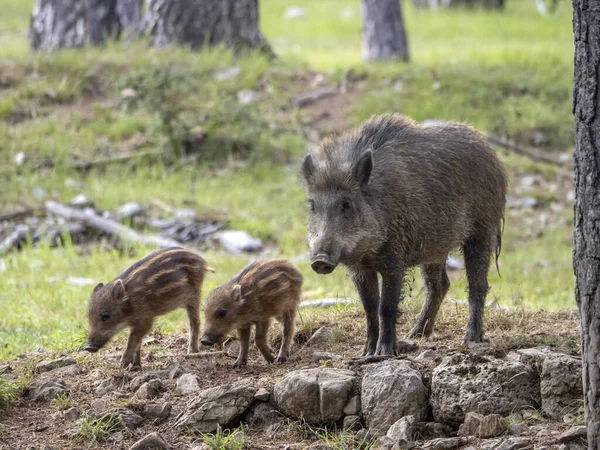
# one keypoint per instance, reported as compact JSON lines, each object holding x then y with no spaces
{"x":58,"y":24}
{"x":130,"y":13}
{"x":586,"y":255}
{"x":384,"y":36}
{"x":206,"y":22}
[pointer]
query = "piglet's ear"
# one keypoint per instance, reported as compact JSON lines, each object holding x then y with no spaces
{"x":98,"y":287}
{"x":118,"y":291}
{"x":308,"y":167}
{"x":363,"y":168}
{"x":236,"y":293}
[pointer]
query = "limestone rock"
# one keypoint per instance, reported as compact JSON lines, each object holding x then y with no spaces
{"x":401,"y":432}
{"x":188,"y":384}
{"x":149,"y":390}
{"x":474,"y":383}
{"x":46,"y":366}
{"x":152,"y":441}
{"x":445,"y":443}
{"x":158,"y":411}
{"x":321,"y":337}
{"x":353,"y":406}
{"x":391,"y":390}
{"x":352,"y":423}
{"x":262,"y":395}
{"x":47,"y":389}
{"x":316,"y":395}
{"x":218,"y":406}
{"x":578,"y":433}
{"x":263,"y":416}
{"x":492,"y":425}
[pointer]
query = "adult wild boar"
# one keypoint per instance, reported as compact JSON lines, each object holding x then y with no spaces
{"x":393,"y":194}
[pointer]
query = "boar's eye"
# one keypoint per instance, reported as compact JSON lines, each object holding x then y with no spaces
{"x":346,"y":205}
{"x":104,"y":316}
{"x":311,"y":204}
{"x":221,"y":313}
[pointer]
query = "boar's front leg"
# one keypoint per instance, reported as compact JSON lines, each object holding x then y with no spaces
{"x":391,"y":290}
{"x":262,"y":329}
{"x":193,"y":312}
{"x":244,"y":336}
{"x":132,"y":354}
{"x":368,"y":290}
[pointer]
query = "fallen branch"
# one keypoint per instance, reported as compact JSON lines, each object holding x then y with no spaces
{"x":108,"y":226}
{"x":512,"y":147}
{"x":87,"y":165}
{"x":25,"y":212}
{"x":306,"y":99}
{"x":193,"y":355}
{"x":355,"y":362}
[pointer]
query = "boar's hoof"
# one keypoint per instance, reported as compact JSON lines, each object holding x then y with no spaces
{"x":90,"y":348}
{"x":238,"y":364}
{"x":474,"y":337}
{"x":281,"y":359}
{"x":386,"y":350}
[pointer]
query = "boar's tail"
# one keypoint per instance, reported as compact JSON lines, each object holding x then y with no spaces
{"x":499,"y":245}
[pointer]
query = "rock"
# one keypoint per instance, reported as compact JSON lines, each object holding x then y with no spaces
{"x":353,"y":406}
{"x":573,"y":434}
{"x":470,"y":427}
{"x":188,"y":383}
{"x":47,"y":389}
{"x":401,"y":432}
{"x":515,"y":443}
{"x":516,"y":429}
{"x":294,"y":12}
{"x":67,"y":371}
{"x":427,"y":355}
{"x":433,"y":430}
{"x":106,"y":387}
{"x":218,"y":406}
{"x":362,"y":436}
{"x":560,"y":384}
{"x":46,"y":366}
{"x":238,"y":242}
{"x":226,"y":73}
{"x":473,"y":383}
{"x":158,"y":411}
{"x":316,"y":395}
{"x":149,"y":390}
{"x":262,"y":395}
{"x":492,"y":425}
{"x":81,"y":201}
{"x":390,"y":391}
{"x":490,"y":444}
{"x":128,"y":94}
{"x":324,"y":356}
{"x":174,"y":370}
{"x":70,"y":414}
{"x":137,"y":382}
{"x":320,"y":337}
{"x":352,"y":423}
{"x":130,"y":209}
{"x":152,"y":441}
{"x":130,"y":419}
{"x":263,"y":416}
{"x":406,"y":346}
{"x":445,"y":444}
{"x":246,"y":96}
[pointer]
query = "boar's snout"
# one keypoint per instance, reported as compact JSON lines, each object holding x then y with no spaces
{"x":206,"y":340}
{"x":322,"y":264}
{"x":90,"y":347}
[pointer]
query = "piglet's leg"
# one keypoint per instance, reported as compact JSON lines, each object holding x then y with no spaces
{"x":262,"y":328}
{"x":193,"y":311}
{"x":244,"y":336}
{"x":289,"y":322}
{"x":132,"y":354}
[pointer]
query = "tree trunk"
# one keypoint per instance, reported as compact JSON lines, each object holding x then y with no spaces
{"x":206,"y":22}
{"x":586,"y":255}
{"x":58,"y":24}
{"x":384,"y":36}
{"x":130,"y":13}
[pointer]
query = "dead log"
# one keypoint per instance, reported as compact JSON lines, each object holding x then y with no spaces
{"x":514,"y":148}
{"x":101,"y":162}
{"x":111,"y":227}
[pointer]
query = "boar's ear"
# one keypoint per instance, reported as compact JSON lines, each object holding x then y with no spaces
{"x":308,"y":167}
{"x":118,"y":291}
{"x":98,"y":287}
{"x":363,"y":167}
{"x":236,"y":293}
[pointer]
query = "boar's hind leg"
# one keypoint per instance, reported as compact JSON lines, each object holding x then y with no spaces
{"x":193,"y":312}
{"x":132,"y":354}
{"x":244,"y":336}
{"x":478,"y":251}
{"x":289,"y":325}
{"x":391,"y":291}
{"x":437,"y":284}
{"x":262,"y":328}
{"x":368,"y":290}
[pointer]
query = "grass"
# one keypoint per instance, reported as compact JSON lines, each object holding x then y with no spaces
{"x":63,"y":402}
{"x":232,"y":439}
{"x":507,"y":73}
{"x":340,"y":440}
{"x":95,"y":429}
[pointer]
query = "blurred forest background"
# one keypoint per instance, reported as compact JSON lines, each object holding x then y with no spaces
{"x":188,"y":144}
